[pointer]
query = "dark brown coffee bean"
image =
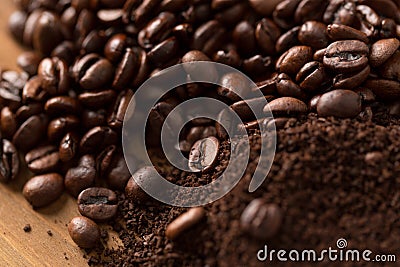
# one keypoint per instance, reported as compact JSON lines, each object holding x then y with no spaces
{"x":9,"y":164}
{"x":198,"y":72}
{"x":264,"y":8}
{"x":118,"y":111}
{"x":118,"y":173}
{"x":82,"y":176}
{"x":33,"y":90}
{"x":29,"y":62}
{"x":341,"y":12}
{"x":92,"y":118}
{"x":286,"y":106}
{"x":388,"y":29}
{"x":294,"y":59}
{"x":143,"y":67}
{"x":173,"y":5}
{"x":110,"y":17}
{"x":43,"y":190}
{"x":338,"y":32}
{"x":197,"y":13}
{"x":184,"y":222}
{"x":30,"y":26}
{"x":97,"y":99}
{"x":65,"y":51}
{"x":368,"y":19}
{"x":183,"y":32}
{"x":308,"y":10}
{"x":346,"y":56}
{"x":8,"y":123}
{"x":97,"y":139}
{"x":62,"y":105}
{"x":203,"y":154}
{"x":386,"y":8}
{"x":115,"y":47}
{"x":234,"y":86}
{"x":261,"y":220}
{"x":93,"y":72}
{"x":313,"y":33}
{"x":339,"y":103}
{"x":391,"y":68}
{"x":16,"y":24}
{"x":208,"y":37}
{"x":157,"y":30}
{"x":228,"y":57}
{"x":98,"y":203}
{"x":142,"y":14}
{"x":94,"y":42}
{"x":9,"y":95}
{"x":279,"y":123}
{"x":84,"y":232}
{"x":267,"y":87}
{"x":57,"y":128}
{"x":351,"y":80}
{"x":384,"y":89}
{"x":247,"y":109}
{"x":68,"y":147}
{"x":244,"y":38}
{"x":257,"y":65}
{"x":286,"y":87}
{"x":164,"y":51}
{"x":312,"y":76}
{"x":85,"y":23}
{"x":30,"y":132}
{"x":126,"y":69}
{"x":42,"y":159}
{"x":26,"y":111}
{"x":231,"y":15}
{"x":267,"y":32}
{"x":313,"y":103}
{"x":288,"y":40}
{"x":133,"y":191}
{"x":54,"y":74}
{"x":47,"y":33}
{"x":284,"y":13}
{"x":367,"y":96}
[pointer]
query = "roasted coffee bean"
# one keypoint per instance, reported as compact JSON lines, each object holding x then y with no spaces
{"x":276,"y":123}
{"x":62,"y":105}
{"x":267,"y":87}
{"x":312,"y":76}
{"x":54,"y":74}
{"x":97,"y":139}
{"x":338,"y":32}
{"x":82,"y":176}
{"x":208,"y":37}
{"x":57,"y":128}
{"x":92,"y":118}
{"x":42,"y":159}
{"x":203,"y":154}
{"x":164,"y":51}
{"x":310,"y":10}
{"x":293,"y":59}
{"x":388,"y":28}
{"x":267,"y":32}
{"x":257,"y":65}
{"x":244,"y":38}
{"x":126,"y":69}
{"x":183,"y":32}
{"x":97,"y":99}
{"x":197,"y":14}
{"x":84,"y":232}
{"x":141,"y":14}
{"x":261,"y":220}
{"x":200,"y":132}
{"x":8,"y":123}
{"x":173,"y":5}
{"x":118,"y":112}
{"x":234,"y":86}
{"x":85,"y":23}
{"x":110,"y":17}
{"x":264,"y":8}
{"x":228,"y":57}
{"x":30,"y":132}
{"x":391,"y":68}
{"x":9,"y":95}
{"x":94,"y":42}
{"x":367,"y":96}
{"x":386,"y":8}
{"x":16,"y":24}
{"x":157,"y":30}
{"x":118,"y":173}
{"x":93,"y":72}
{"x":115,"y":47}
{"x":339,"y":103}
{"x":65,"y":51}
{"x":43,"y":190}
{"x":9,"y":164}
{"x":313,"y":103}
{"x":231,"y":15}
{"x":26,"y":111}
{"x":68,"y":147}
{"x":33,"y":90}
{"x":30,"y":26}
{"x":384,"y":89}
{"x":184,"y":222}
{"x":382,"y":50}
{"x":143,"y":67}
{"x":245,"y":108}
{"x":368,"y":19}
{"x":286,"y":106}
{"x":227,"y":120}
{"x":104,"y":159}
{"x":287,"y":40}
{"x":198,"y":72}
{"x":286,"y":87}
{"x":47,"y":33}
{"x":340,"y":12}
{"x":134,"y":192}
{"x":351,"y":80}
{"x":29,"y":62}
{"x":284,"y":13}
{"x":98,"y":203}
{"x":313,"y":33}
{"x":346,"y":56}
{"x":146,"y":176}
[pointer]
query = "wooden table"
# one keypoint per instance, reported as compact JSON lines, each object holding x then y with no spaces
{"x":36,"y":248}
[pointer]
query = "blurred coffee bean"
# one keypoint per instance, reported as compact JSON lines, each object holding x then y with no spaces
{"x":91,"y":118}
{"x":118,"y":173}
{"x":286,"y":106}
{"x":58,"y":127}
{"x":65,"y":51}
{"x":183,"y":32}
{"x":16,"y":24}
{"x":382,"y":50}
{"x":208,"y":37}
{"x":284,"y":13}
{"x":42,"y":159}
{"x":231,"y":15}
{"x":33,"y":90}
{"x":247,"y":109}
{"x":118,"y":109}
{"x":30,"y":132}
{"x":164,"y":51}
{"x":228,"y":57}
{"x":264,"y":8}
{"x":286,"y":87}
{"x":367,"y":96}
{"x":341,"y":12}
{"x":287,"y":40}
{"x":115,"y":47}
{"x":54,"y":75}
{"x":200,"y":132}
{"x":110,"y":17}
{"x":339,"y":103}
{"x":368,"y":19}
{"x":98,"y":203}
{"x":84,"y":232}
{"x":391,"y":68}
{"x":62,"y":105}
{"x":94,"y":42}
{"x":313,"y":34}
{"x":68,"y":147}
{"x":267,"y":32}
{"x":29,"y":62}
{"x":97,"y":99}
{"x":47,"y":33}
{"x":8,"y":123}
{"x":9,"y":164}
{"x":82,"y":176}
{"x":261,"y":220}
{"x":141,"y":14}
{"x":244,"y":38}
{"x":43,"y":190}
{"x":156,"y":30}
{"x":308,"y":10}
{"x":384,"y":89}
{"x":97,"y":139}
{"x":184,"y":222}
{"x":26,"y":111}
{"x":234,"y":86}
{"x":146,"y":176}
{"x":313,"y":103}
{"x":257,"y":65}
{"x":199,"y":72}
{"x":203,"y":154}
{"x":30,"y":26}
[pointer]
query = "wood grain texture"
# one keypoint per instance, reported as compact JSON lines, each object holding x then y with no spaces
{"x":36,"y":248}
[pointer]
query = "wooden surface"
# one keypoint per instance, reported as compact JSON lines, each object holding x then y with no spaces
{"x":36,"y":248}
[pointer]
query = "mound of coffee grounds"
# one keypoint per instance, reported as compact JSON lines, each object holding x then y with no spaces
{"x":332,"y":178}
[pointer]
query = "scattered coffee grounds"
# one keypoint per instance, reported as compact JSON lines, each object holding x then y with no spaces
{"x":331,"y":178}
{"x":27,"y":228}
{"x":50,"y":233}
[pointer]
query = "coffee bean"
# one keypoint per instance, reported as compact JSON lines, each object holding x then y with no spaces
{"x":203,"y":154}
{"x":127,"y":68}
{"x":43,"y":190}
{"x":368,"y":19}
{"x":156,"y":30}
{"x":234,"y":86}
{"x":98,"y":203}
{"x":338,"y":32}
{"x":97,"y":139}
{"x":286,"y":87}
{"x":42,"y":159}
{"x":26,"y":111}
{"x":54,"y":74}
{"x":92,"y":118}
{"x":84,"y":232}
{"x":97,"y":99}
{"x":183,"y":32}
{"x":118,"y":173}
{"x":267,"y":32}
{"x":16,"y":24}
{"x":382,"y":50}
{"x":244,"y":38}
{"x":312,"y":76}
{"x":293,"y":59}
{"x":310,"y":10}
{"x":33,"y":90}
{"x":30,"y":25}
{"x":198,"y":72}
{"x":346,"y":56}
{"x":261,"y":220}
{"x":141,"y":14}
{"x":57,"y":128}
{"x":82,"y":176}
{"x":164,"y":51}
{"x":288,"y":40}
{"x":29,"y":62}
{"x":47,"y":33}
{"x":247,"y":109}
{"x":94,"y":42}
{"x":339,"y":103}
{"x":391,"y":68}
{"x":8,"y":123}
{"x":228,"y":57}
{"x":257,"y":65}
{"x":367,"y":96}
{"x":264,"y":8}
{"x":351,"y":80}
{"x":184,"y":222}
{"x":115,"y":47}
{"x":341,"y":12}
{"x":313,"y":34}
{"x":68,"y":147}
{"x":110,"y":17}
{"x":200,"y":132}
{"x":286,"y":106}
{"x":208,"y":37}
{"x":30,"y":132}
{"x":62,"y":105}
{"x":147,"y":177}
{"x":384,"y":89}
{"x":284,"y":13}
{"x":118,"y":111}
{"x":9,"y":164}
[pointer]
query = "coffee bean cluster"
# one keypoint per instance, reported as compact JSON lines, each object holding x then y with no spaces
{"x":65,"y":110}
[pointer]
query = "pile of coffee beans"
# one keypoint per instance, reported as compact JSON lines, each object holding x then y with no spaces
{"x":65,"y":110}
